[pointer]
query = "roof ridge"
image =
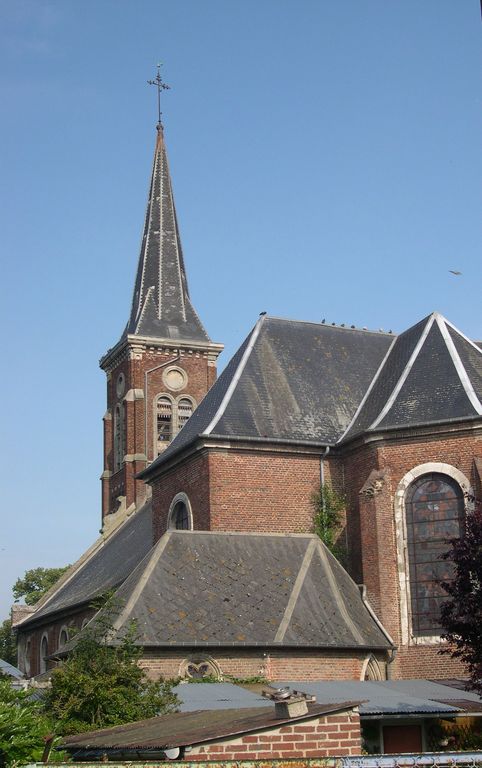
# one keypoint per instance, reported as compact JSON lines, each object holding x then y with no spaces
{"x":234,"y":381}
{"x":156,"y":552}
{"x":404,"y":375}
{"x":370,"y":387}
{"x":180,"y":532}
{"x":330,"y":325}
{"x":459,"y":366}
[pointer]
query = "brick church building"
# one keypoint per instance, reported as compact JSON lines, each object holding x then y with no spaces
{"x":207,"y":514}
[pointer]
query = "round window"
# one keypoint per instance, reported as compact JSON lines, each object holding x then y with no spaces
{"x":174,"y":378}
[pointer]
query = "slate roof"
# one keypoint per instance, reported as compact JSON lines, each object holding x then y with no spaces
{"x":189,"y":728}
{"x":106,"y":569}
{"x":236,"y":589}
{"x":161,"y":306}
{"x":432,"y":374}
{"x":311,"y":383}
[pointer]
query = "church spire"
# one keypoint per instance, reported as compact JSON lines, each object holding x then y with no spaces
{"x":161,"y":306}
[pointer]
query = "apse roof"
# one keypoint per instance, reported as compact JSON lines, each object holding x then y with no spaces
{"x":236,"y":589}
{"x":432,"y":373}
{"x":108,"y":566}
{"x":312,"y":383}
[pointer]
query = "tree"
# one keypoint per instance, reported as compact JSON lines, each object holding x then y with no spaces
{"x":461,"y":616}
{"x":98,"y":685}
{"x":8,"y":646}
{"x":328,"y":508}
{"x":35,"y":583}
{"x":23,"y":727}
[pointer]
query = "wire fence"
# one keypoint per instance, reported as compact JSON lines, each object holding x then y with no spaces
{"x":426,"y":760}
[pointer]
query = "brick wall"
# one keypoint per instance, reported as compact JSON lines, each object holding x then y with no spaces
{"x":137,"y":364}
{"x":274,"y":665}
{"x":262,"y":491}
{"x":52,"y":632}
{"x":191,"y":478}
{"x":337,"y":734}
{"x":372,"y":476}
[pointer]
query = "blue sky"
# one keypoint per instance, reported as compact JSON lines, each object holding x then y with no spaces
{"x":326,"y":163}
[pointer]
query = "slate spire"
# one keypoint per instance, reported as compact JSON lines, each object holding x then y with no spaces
{"x":161,"y":306}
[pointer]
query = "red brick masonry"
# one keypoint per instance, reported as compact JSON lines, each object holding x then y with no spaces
{"x":318,"y":737}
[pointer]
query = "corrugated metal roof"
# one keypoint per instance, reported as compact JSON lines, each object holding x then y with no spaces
{"x":379,"y":697}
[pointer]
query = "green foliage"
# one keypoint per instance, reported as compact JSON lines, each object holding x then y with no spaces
{"x":8,"y":645}
{"x":35,"y":583}
{"x":328,"y":511}
{"x":23,"y":727}
{"x":99,"y":685}
{"x":461,"y":614}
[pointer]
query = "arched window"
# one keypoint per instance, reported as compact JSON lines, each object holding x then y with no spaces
{"x":180,"y":517}
{"x":434,"y":513}
{"x":180,"y":513}
{"x":118,"y":439}
{"x":44,"y":652}
{"x":184,"y":411}
{"x":63,"y":637}
{"x":164,"y":421}
{"x":27,"y":660}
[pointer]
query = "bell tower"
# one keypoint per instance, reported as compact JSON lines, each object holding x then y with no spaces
{"x":164,"y":362}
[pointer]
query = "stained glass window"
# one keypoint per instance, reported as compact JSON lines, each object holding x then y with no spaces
{"x":434,"y":514}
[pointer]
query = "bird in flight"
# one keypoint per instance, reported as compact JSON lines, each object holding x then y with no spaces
{"x":454,"y":272}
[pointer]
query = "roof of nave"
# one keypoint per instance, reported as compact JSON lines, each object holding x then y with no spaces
{"x":314,"y":383}
{"x":106,"y":569}
{"x":244,"y":589}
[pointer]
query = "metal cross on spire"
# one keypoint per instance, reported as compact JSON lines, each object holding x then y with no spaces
{"x":161,"y":86}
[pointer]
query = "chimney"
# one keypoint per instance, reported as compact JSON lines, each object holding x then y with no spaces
{"x":287,"y":703}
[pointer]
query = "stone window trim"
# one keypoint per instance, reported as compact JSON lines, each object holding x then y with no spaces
{"x":24,"y":651}
{"x":43,"y":652}
{"x":174,"y":378}
{"x":431,"y":467}
{"x":197,"y":666}
{"x":64,"y":630}
{"x":372,"y":669}
{"x":119,"y":436}
{"x":179,"y":497}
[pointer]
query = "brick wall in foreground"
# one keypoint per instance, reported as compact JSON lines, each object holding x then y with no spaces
{"x":337,"y":734}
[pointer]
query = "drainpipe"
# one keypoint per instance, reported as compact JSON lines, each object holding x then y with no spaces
{"x":322,"y":474}
{"x":146,"y":373}
{"x":391,"y":655}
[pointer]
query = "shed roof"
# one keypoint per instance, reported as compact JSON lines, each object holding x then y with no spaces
{"x":189,"y":728}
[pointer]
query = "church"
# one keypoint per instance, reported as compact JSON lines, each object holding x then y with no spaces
{"x":207,"y":536}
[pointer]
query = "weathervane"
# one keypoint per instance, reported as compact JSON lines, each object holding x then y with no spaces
{"x":161,"y":86}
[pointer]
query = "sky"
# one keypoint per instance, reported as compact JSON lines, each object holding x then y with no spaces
{"x":326,"y":163}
